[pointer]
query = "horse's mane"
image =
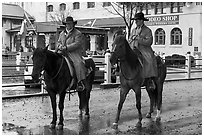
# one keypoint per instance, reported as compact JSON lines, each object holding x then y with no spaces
{"x":50,"y":54}
{"x":131,"y":56}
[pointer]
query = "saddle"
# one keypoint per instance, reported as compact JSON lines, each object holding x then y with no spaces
{"x":72,"y":70}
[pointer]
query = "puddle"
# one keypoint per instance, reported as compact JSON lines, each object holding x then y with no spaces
{"x":11,"y":129}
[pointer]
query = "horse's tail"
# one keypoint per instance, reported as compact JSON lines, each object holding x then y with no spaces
{"x":162,"y":71}
{"x":85,"y":96}
{"x":91,"y":64}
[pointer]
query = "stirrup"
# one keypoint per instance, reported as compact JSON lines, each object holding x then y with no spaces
{"x":80,"y":87}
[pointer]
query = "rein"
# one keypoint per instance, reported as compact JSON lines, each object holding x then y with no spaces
{"x":124,"y":74}
{"x":58,"y":70}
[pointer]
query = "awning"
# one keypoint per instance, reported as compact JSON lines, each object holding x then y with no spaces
{"x":102,"y":22}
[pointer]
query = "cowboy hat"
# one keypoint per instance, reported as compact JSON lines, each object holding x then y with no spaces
{"x":140,"y":16}
{"x":68,"y":19}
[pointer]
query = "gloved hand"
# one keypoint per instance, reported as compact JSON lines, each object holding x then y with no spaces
{"x":61,"y":48}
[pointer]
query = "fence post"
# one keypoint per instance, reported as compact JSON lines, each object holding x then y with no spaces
{"x":163,"y":56}
{"x":197,"y":61}
{"x":107,"y":74}
{"x":18,"y":60}
{"x":188,"y":65}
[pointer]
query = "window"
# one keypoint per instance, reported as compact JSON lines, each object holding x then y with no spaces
{"x":198,"y":3}
{"x":90,"y":4}
{"x":52,"y":41}
{"x":176,"y":36}
{"x":76,"y":5}
{"x":159,"y":8}
{"x":160,"y":37}
{"x":147,"y":9}
{"x":17,"y":22}
{"x":62,"y":7}
{"x":50,"y":8}
{"x":106,"y":4}
{"x":177,"y":7}
{"x":29,"y":42}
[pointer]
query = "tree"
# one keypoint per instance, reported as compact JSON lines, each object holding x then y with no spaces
{"x":58,"y":17}
{"x":127,"y":11}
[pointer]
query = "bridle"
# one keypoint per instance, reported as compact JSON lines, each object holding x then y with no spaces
{"x":58,"y":69}
{"x":53,"y":77}
{"x":121,"y":60}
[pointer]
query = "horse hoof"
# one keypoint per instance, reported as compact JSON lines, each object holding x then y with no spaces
{"x":52,"y":126}
{"x":158,"y":119}
{"x":139,"y":125}
{"x":148,"y":115}
{"x":80,"y":113}
{"x":60,"y":127}
{"x":115,"y":125}
{"x":87,"y":116}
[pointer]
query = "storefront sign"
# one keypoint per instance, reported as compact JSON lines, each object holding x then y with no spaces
{"x":190,"y":36}
{"x":163,"y":20}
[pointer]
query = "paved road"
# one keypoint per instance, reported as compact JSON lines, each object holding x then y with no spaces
{"x":181,"y":114}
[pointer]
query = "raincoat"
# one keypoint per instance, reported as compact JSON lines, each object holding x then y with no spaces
{"x":143,"y":44}
{"x":74,"y":43}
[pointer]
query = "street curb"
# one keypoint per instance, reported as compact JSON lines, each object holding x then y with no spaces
{"x":102,"y":86}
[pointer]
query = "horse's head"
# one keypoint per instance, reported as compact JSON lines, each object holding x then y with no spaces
{"x":39,"y":59}
{"x":118,"y":51}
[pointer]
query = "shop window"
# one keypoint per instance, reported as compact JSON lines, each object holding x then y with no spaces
{"x":76,"y":5}
{"x":160,"y":37}
{"x":90,"y":4}
{"x":62,"y":7}
{"x":147,"y":9}
{"x":159,"y":8}
{"x":106,"y":4}
{"x":177,"y":7}
{"x":176,"y":36}
{"x":50,"y":8}
{"x":198,"y":3}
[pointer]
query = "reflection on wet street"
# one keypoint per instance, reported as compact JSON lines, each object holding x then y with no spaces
{"x":151,"y":128}
{"x":181,"y":113}
{"x":10,"y":129}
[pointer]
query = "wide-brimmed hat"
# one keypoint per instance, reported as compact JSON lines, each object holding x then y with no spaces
{"x":140,"y":16}
{"x":68,"y":19}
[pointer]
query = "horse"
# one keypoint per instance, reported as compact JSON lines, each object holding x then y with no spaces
{"x":131,"y":78}
{"x":57,"y":79}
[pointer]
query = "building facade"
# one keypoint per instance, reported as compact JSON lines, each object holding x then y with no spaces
{"x":12,"y":17}
{"x":176,"y":26}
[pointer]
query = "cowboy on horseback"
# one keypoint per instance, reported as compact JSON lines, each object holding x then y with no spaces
{"x":141,"y":39}
{"x":70,"y":43}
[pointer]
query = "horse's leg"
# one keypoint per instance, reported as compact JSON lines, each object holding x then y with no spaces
{"x":138,"y":104}
{"x":82,"y":102}
{"x":61,"y":108}
{"x":159,"y":101}
{"x":88,"y":91}
{"x":123,"y":94}
{"x":54,"y":104}
{"x":151,"y":96}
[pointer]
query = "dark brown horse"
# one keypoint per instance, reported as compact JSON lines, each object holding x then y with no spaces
{"x":131,"y":78}
{"x":57,"y":78}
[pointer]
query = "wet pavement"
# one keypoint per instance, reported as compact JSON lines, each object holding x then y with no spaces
{"x":181,"y":113}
